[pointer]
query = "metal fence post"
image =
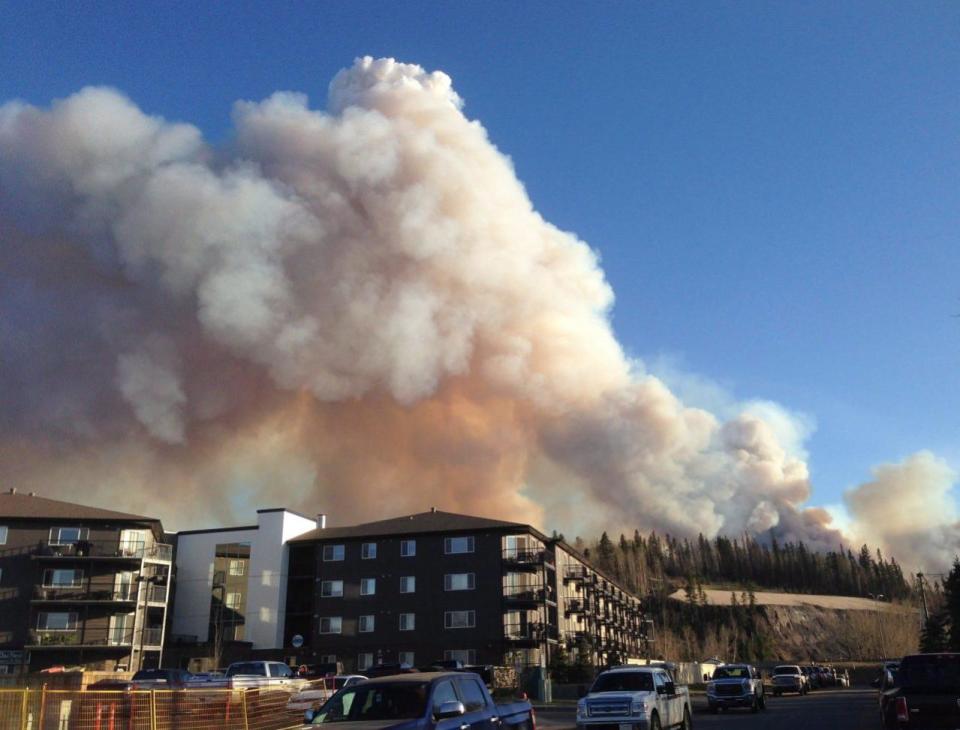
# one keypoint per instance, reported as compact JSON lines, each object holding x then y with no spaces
{"x":43,"y":703}
{"x":153,"y":710}
{"x":23,"y":708}
{"x":246,"y":722}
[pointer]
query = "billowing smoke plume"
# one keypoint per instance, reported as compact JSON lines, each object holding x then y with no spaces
{"x":908,"y":511}
{"x":354,"y":310}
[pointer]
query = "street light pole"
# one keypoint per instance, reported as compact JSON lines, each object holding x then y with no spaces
{"x":877,"y":598}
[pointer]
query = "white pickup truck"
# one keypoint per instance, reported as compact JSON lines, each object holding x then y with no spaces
{"x":254,"y":675}
{"x":634,"y":697}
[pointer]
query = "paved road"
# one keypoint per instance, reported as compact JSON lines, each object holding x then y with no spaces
{"x":850,"y":709}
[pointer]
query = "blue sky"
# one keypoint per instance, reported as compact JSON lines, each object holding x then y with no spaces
{"x":774,"y":188}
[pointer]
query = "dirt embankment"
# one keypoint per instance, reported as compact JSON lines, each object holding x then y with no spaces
{"x":823,"y":628}
{"x":830,"y":634}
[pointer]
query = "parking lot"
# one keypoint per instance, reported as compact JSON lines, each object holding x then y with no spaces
{"x":846,"y":709}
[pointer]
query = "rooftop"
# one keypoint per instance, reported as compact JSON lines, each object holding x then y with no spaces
{"x":432,"y":521}
{"x":30,"y":506}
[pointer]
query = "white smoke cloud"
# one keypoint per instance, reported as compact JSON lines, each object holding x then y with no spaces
{"x":909,"y":511}
{"x":354,"y":310}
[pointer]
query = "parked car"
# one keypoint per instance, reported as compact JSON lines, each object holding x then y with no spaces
{"x":788,"y":678}
{"x":161,"y":679}
{"x":386,"y":669}
{"x":634,"y":696}
{"x":319,"y":691}
{"x":421,"y":701}
{"x":812,"y":677}
{"x":736,"y":685}
{"x":924,"y":693}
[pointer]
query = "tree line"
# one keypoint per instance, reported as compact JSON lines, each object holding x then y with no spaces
{"x":658,"y":563}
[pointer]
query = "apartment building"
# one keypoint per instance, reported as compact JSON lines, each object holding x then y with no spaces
{"x":231,"y":589}
{"x":80,"y":586}
{"x":437,"y":585}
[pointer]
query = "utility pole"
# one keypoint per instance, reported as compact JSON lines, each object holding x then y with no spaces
{"x":923,"y":598}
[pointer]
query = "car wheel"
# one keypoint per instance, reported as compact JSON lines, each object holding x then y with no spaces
{"x":714,"y":709}
{"x":776,"y":693}
{"x":655,"y":722}
{"x":687,"y":720}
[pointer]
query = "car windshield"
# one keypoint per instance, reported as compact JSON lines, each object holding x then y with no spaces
{"x":936,"y":672}
{"x":786,"y":670}
{"x":375,"y":702}
{"x":624,"y":682}
{"x":731,"y":673}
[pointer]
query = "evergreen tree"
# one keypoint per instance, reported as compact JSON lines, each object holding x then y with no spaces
{"x":951,"y":596}
{"x":934,"y":637}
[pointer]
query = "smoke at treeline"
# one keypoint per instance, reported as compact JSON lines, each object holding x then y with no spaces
{"x":354,"y":310}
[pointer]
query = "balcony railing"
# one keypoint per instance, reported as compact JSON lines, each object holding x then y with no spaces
{"x":524,"y":558}
{"x":81,"y":637}
{"x":152,"y":636}
{"x":157,"y":594}
{"x":126,"y":550}
{"x":529,"y":632}
{"x":93,"y":592}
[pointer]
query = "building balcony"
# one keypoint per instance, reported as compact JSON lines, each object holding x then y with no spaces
{"x":106,"y":550}
{"x":152,"y":638}
{"x":515,"y":598}
{"x":93,"y":593}
{"x":529,"y":635}
{"x":575,"y":575}
{"x":525,"y":560}
{"x":573,"y":607}
{"x":157,"y":594}
{"x":80,"y":638}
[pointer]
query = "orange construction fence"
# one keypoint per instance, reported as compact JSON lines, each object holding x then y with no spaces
{"x":191,"y":709}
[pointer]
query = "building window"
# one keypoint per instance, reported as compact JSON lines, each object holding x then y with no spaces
{"x":367,"y":623}
{"x":331,"y":589}
{"x":459,"y":581}
{"x":408,"y":584}
{"x":332,"y":553}
{"x":67,"y":535}
{"x":328,"y":658}
{"x":50,"y":621}
{"x":237,"y":567}
{"x":233,"y":599}
{"x":368,"y":586}
{"x":408,"y":621}
{"x":467,"y":657}
{"x":408,"y":548}
{"x":455,"y":545}
{"x":59,"y":578}
{"x":3,"y":534}
{"x":364,"y":661}
{"x":459,"y":619}
{"x":368,"y":551}
{"x":331,"y":625}
{"x":406,"y":658}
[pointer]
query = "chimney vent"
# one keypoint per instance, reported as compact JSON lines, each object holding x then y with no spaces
{"x":321,"y":521}
{"x":32,"y":494}
{"x":433,"y":509}
{"x":13,"y":490}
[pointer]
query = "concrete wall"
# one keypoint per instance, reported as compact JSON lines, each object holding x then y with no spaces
{"x":266,"y":602}
{"x":266,"y":584}
{"x":195,"y":557}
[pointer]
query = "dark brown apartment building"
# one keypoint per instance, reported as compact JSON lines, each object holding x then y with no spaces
{"x":436,"y":585}
{"x":80,"y":586}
